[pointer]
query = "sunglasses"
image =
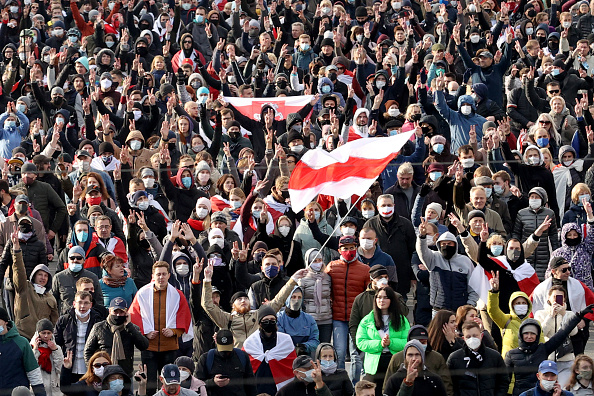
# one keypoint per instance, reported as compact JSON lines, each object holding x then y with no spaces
{"x":554,"y":91}
{"x":544,"y":122}
{"x":76,"y":258}
{"x":268,"y":322}
{"x":99,"y":365}
{"x":566,"y":269}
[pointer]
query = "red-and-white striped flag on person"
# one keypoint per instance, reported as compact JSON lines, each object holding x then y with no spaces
{"x":524,"y":275}
{"x":280,"y":358}
{"x":283,"y":106}
{"x":349,"y":170}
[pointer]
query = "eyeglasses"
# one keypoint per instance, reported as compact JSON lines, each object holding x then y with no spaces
{"x":99,"y":365}
{"x":544,"y":122}
{"x":77,"y":258}
{"x":340,"y":68}
{"x":268,"y":322}
{"x":554,"y":91}
{"x":566,"y":269}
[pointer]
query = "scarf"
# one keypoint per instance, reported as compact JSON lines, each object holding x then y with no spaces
{"x":474,"y":359}
{"x":44,"y":360}
{"x":562,"y":176}
{"x":117,"y":350}
{"x":115,"y":282}
{"x":196,"y":224}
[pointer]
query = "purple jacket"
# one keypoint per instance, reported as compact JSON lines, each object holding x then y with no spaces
{"x":580,"y":256}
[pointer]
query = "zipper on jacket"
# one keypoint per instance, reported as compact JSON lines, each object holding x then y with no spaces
{"x":159,"y":316}
{"x":346,"y":303}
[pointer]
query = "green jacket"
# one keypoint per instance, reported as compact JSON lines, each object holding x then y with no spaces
{"x":370,"y":342}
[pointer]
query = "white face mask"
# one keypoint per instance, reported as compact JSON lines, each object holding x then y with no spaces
{"x":386,"y":211}
{"x":473,"y":343}
{"x":317,"y":267}
{"x":38,"y":288}
{"x":149,"y":182}
{"x":521,"y":309}
{"x":475,"y":38}
{"x":395,"y":112}
{"x":105,"y":84}
{"x":284,"y":230}
{"x":547,"y":385}
{"x":137,"y":114}
{"x":183,"y":270}
{"x":99,"y":371}
{"x":201,"y":213}
{"x":397,"y":5}
{"x":135,"y":144}
{"x":82,"y":315}
{"x":368,"y":214}
{"x":533,"y":160}
{"x":466,"y":109}
{"x":183,"y":375}
{"x":366,"y":244}
{"x":566,"y":25}
{"x":348,"y":231}
{"x":567,"y":163}
{"x":534,"y":203}
{"x":467,"y":162}
{"x":381,"y":282}
{"x":217,"y":241}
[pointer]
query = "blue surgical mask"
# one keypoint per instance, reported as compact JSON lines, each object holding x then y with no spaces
{"x":73,"y":39}
{"x":199,"y":19}
{"x":488,"y":191}
{"x":236,"y":204}
{"x":542,"y":142}
{"x":304,"y":47}
{"x":498,"y":189}
{"x":75,"y":267}
{"x":434,"y":175}
{"x":271,"y":271}
{"x":326,"y":89}
{"x":394,"y":132}
{"x":21,"y":108}
{"x":438,"y":148}
{"x":10,"y":124}
{"x":328,"y":366}
{"x":317,"y":214}
{"x":82,"y":236}
{"x":256,"y":213}
{"x":555,"y":72}
{"x":496,"y":250}
{"x":116,"y":385}
{"x":187,"y":181}
{"x":1,"y":329}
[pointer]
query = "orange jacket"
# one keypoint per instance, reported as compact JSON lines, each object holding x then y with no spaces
{"x":348,"y":281}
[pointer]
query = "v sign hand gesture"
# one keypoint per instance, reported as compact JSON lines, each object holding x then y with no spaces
{"x":494,"y":281}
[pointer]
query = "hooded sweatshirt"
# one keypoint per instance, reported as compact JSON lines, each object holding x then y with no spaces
{"x":299,"y":325}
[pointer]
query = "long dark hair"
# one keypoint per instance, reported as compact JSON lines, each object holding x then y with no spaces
{"x":435,"y":329}
{"x":394,"y":311}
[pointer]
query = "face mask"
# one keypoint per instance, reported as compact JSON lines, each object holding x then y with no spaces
{"x":298,"y":148}
{"x":217,"y":241}
{"x":38,"y":288}
{"x":59,"y":121}
{"x":259,"y":256}
{"x":268,"y":327}
{"x":85,"y":166}
{"x":381,"y":283}
{"x":203,"y":177}
{"x":236,"y":204}
{"x":438,"y":148}
{"x":473,"y":343}
{"x":22,"y":208}
{"x":82,"y":236}
{"x":182,"y":269}
{"x":149,"y":182}
{"x":183,"y":375}
{"x":488,"y":192}
{"x":14,"y":9}
{"x":434,"y":175}
{"x":359,"y":38}
{"x":475,"y":38}
{"x":326,"y":89}
{"x":529,"y":31}
{"x":396,"y":5}
{"x":555,"y":72}
{"x":118,"y":384}
{"x":513,"y":255}
{"x":386,"y":211}
{"x":498,"y":189}
{"x":347,"y":231}
{"x":573,"y":241}
{"x":73,"y":39}
{"x":366,"y":244}
{"x":547,"y":385}
{"x":380,"y":84}
{"x":466,"y":109}
{"x":534,"y":203}
{"x":256,"y":213}
{"x":24,"y":236}
{"x":534,"y":160}
{"x":295,"y":305}
{"x":317,"y":267}
{"x":217,"y":262}
{"x":304,"y":47}
{"x":368,"y":214}
{"x":326,"y":10}
{"x":1,"y":329}
{"x":467,"y":162}
{"x":186,"y":6}
{"x":21,"y":107}
{"x":118,"y":320}
{"x":348,"y":255}
{"x":9,"y":124}
{"x":201,"y":213}
{"x":542,"y":142}
{"x":98,"y":371}
{"x":107,"y":159}
{"x":135,"y":144}
{"x":328,"y":366}
{"x":471,"y":8}
{"x":448,"y":251}
{"x":284,"y":230}
{"x":585,"y":374}
{"x":81,"y":314}
{"x":106,"y":84}
{"x":496,"y":250}
{"x":137,"y":114}
{"x":58,"y":32}
{"x":109,"y":43}
{"x":271,"y":271}
{"x":111,"y":5}
{"x":395,"y":112}
{"x":75,"y":267}
{"x":521,"y":309}
{"x":187,"y":181}
{"x":143,"y":205}
{"x":94,"y":201}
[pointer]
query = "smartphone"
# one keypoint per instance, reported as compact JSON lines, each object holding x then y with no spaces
{"x":559,"y":299}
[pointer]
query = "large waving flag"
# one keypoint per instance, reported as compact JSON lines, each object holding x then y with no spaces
{"x":349,"y":170}
{"x":252,"y":107}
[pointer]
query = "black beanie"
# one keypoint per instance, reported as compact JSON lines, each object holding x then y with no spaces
{"x":377,"y":270}
{"x":264,"y":311}
{"x":237,"y":295}
{"x":293,"y":135}
{"x":44,"y":324}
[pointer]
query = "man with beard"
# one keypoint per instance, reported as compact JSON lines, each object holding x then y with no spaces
{"x":225,"y":369}
{"x":242,"y":320}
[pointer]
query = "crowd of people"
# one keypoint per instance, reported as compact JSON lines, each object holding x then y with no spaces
{"x":148,"y":245}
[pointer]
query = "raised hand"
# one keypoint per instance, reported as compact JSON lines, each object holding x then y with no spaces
{"x":208,"y":272}
{"x":494,"y":281}
{"x":197,"y":269}
{"x":543,"y":226}
{"x":455,"y":221}
{"x":68,"y":360}
{"x":423,"y":227}
{"x":484,"y":232}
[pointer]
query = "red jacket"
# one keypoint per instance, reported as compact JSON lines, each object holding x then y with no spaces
{"x":348,"y":281}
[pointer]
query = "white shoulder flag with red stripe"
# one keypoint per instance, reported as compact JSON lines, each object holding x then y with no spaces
{"x":283,"y":106}
{"x":177,"y":312}
{"x":349,"y":170}
{"x":524,"y":275}
{"x":280,"y":358}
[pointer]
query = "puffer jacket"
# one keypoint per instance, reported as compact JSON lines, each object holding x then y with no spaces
{"x":449,"y":279}
{"x":33,"y":252}
{"x":523,"y":361}
{"x":565,"y":130}
{"x":553,"y":323}
{"x":29,"y":306}
{"x":348,"y":281}
{"x":580,"y":256}
{"x":509,"y":323}
{"x":244,"y":325}
{"x":317,"y":295}
{"x":488,"y":379}
{"x":527,"y":221}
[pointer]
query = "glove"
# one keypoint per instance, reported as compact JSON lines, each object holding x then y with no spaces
{"x":588,"y":310}
{"x":425,"y":189}
{"x":423,"y":76}
{"x":181,"y":77}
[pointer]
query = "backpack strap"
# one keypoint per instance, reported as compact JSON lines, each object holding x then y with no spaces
{"x":209,"y":361}
{"x":505,"y":327}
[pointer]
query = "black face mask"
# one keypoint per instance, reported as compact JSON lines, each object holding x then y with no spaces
{"x":234,"y":136}
{"x":117,"y":320}
{"x":333,"y":76}
{"x":171,"y":146}
{"x":531,"y":13}
{"x":58,"y":100}
{"x":285,"y":194}
{"x":225,"y":354}
{"x":268,"y":327}
{"x":324,"y":122}
{"x":25,"y":227}
{"x":426,"y":130}
{"x":144,"y":244}
{"x":573,"y":241}
{"x":282,"y":84}
{"x":215,"y":22}
{"x":553,"y":45}
{"x":415,"y":117}
{"x":142,"y":51}
{"x":447,"y":251}
{"x":143,"y":26}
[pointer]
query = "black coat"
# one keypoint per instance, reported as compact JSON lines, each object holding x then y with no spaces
{"x":489,"y":379}
{"x":266,"y":289}
{"x":241,"y":377}
{"x":426,"y":383}
{"x":402,"y":205}
{"x":33,"y":254}
{"x":65,"y":332}
{"x":181,"y":200}
{"x":204,"y":327}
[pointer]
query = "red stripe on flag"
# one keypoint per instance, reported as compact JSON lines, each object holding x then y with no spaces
{"x":305,"y":177}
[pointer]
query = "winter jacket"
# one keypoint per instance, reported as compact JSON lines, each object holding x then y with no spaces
{"x":127,"y":292}
{"x":64,"y":288}
{"x":487,"y":378}
{"x":379,"y":257}
{"x":11,"y":137}
{"x":566,"y":132}
{"x":426,"y":383}
{"x":570,"y":84}
{"x":66,"y":331}
{"x":449,"y":279}
{"x":396,"y":238}
{"x":116,"y":222}
{"x":241,"y":376}
{"x":338,"y":382}
{"x":142,"y":254}
{"x":575,"y":214}
{"x":302,"y":328}
{"x":30,"y":306}
{"x":303,"y":234}
{"x":459,"y":123}
{"x":181,"y":200}
{"x":527,"y":221}
{"x":580,"y":256}
{"x":303,"y":58}
{"x":46,"y":201}
{"x":389,"y":174}
{"x":402,"y":205}
{"x":18,"y":367}
{"x":519,"y":108}
{"x":317,"y":295}
{"x":93,"y":252}
{"x":51,"y":380}
{"x":33,"y":253}
{"x":369,"y":341}
{"x":244,"y":325}
{"x":101,"y":339}
{"x":348,"y":280}
{"x":551,"y":324}
{"x":265,"y":289}
{"x":7,"y":228}
{"x":143,"y":156}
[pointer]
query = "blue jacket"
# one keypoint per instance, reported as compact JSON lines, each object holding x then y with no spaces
{"x":459,"y":123}
{"x":303,"y":329}
{"x":12,"y":137}
{"x":127,"y":292}
{"x":575,"y":214}
{"x":538,"y":391}
{"x":303,"y":59}
{"x":389,"y":174}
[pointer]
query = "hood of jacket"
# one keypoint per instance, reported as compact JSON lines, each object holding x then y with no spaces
{"x":322,"y":346}
{"x":325,"y":80}
{"x":288,"y":300}
{"x":109,"y":52}
{"x":481,"y":90}
{"x":136,"y":135}
{"x":511,"y":303}
{"x":525,"y":157}
{"x":215,"y":249}
{"x":524,"y":345}
{"x":292,"y":119}
{"x":568,"y":227}
{"x":181,"y":256}
{"x":466,"y":99}
{"x":448,"y":236}
{"x":115,"y":369}
{"x":11,"y":333}
{"x":431,"y":120}
{"x":416,"y":344}
{"x":566,"y":149}
{"x":542,"y":193}
{"x":310,"y":255}
{"x":42,"y":267}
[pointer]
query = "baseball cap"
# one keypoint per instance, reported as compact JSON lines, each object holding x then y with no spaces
{"x":21,"y":198}
{"x":118,"y":303}
{"x":486,"y":54}
{"x":224,"y":340}
{"x":170,"y":374}
{"x":302,"y":361}
{"x":346,"y":240}
{"x":548,"y":366}
{"x":83,"y":153}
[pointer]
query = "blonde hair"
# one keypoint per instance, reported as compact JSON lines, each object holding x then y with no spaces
{"x":496,"y":238}
{"x":577,"y":190}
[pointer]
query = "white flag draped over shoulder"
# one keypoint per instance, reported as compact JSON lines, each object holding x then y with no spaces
{"x":349,"y":170}
{"x":252,"y":107}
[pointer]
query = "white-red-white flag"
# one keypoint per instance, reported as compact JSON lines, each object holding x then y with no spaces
{"x":349,"y":170}
{"x":283,"y":106}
